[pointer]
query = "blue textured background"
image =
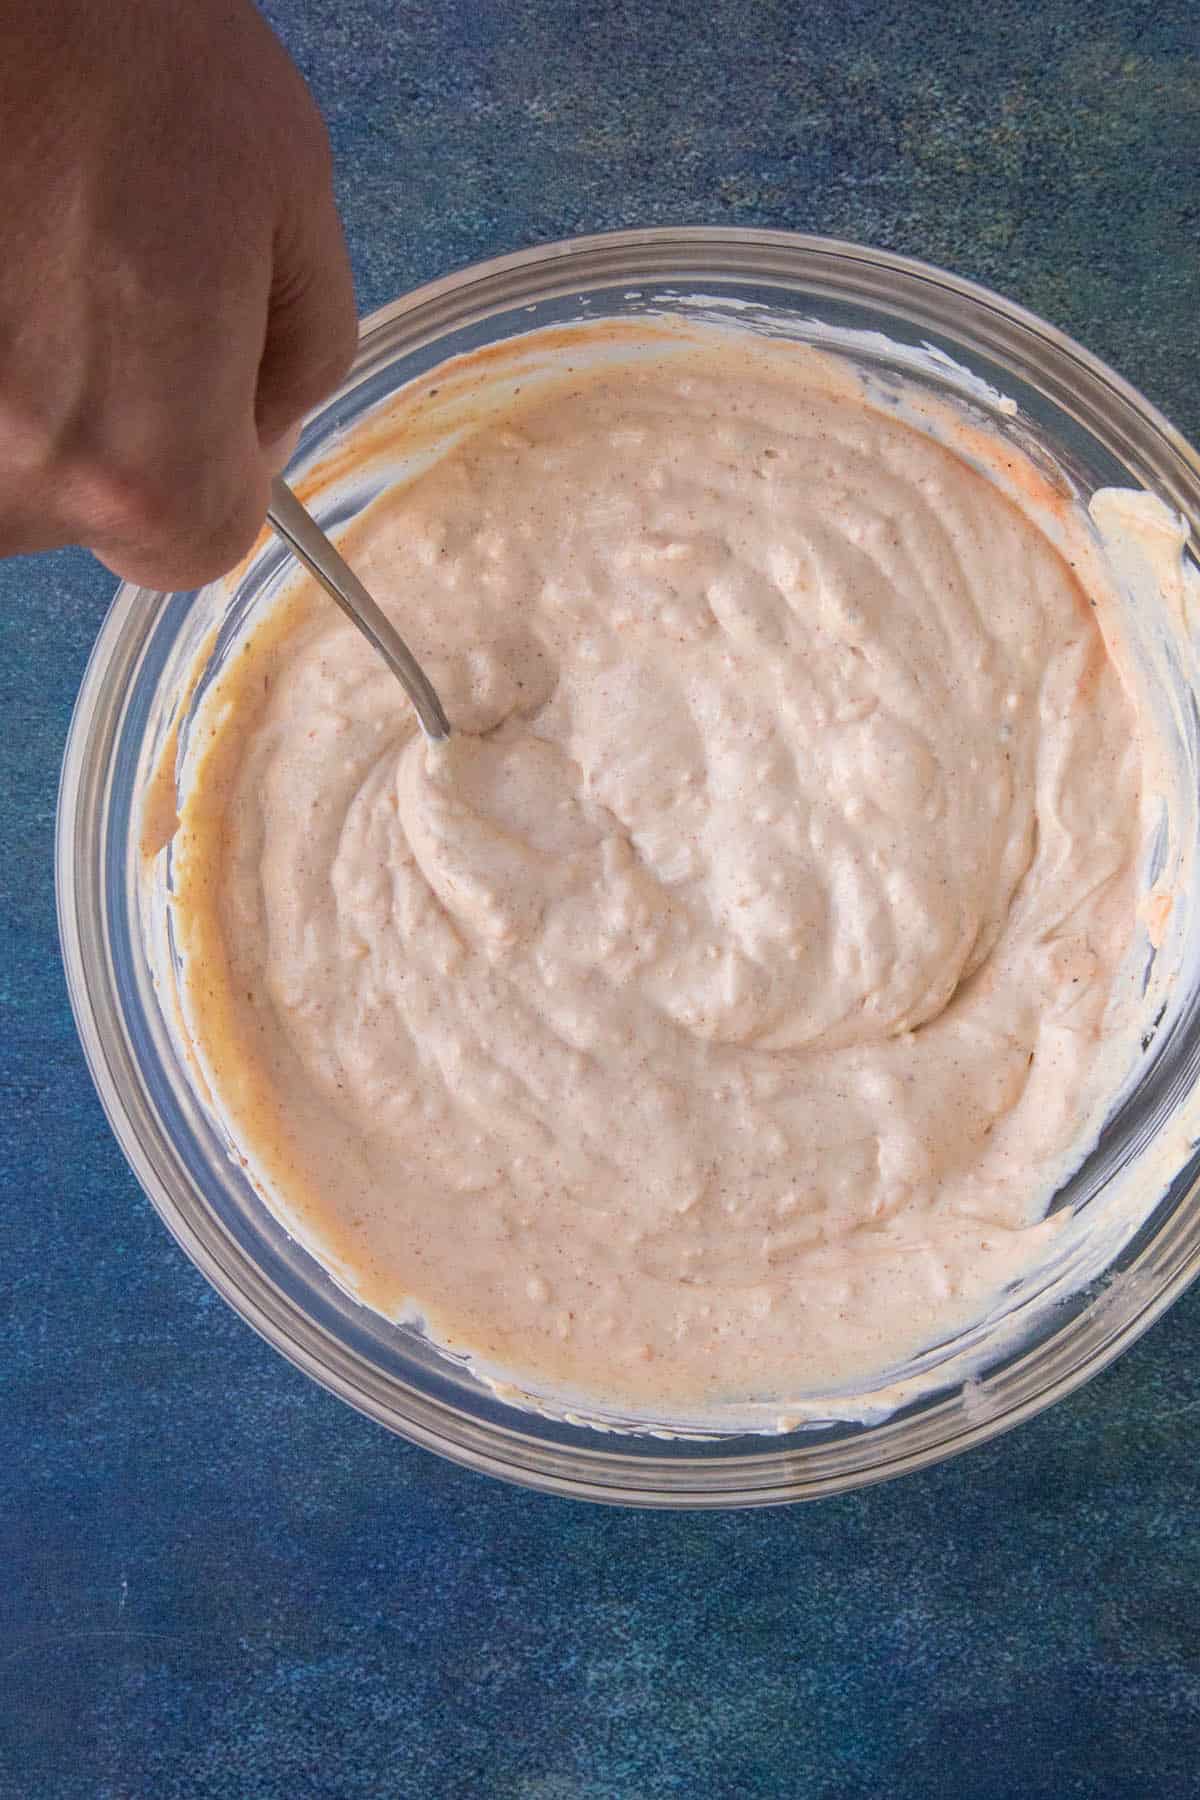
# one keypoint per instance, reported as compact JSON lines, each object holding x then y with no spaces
{"x":217,"y":1581}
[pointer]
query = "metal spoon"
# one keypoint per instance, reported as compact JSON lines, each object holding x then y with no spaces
{"x":304,"y":537}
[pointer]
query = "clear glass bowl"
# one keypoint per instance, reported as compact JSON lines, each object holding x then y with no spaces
{"x":1090,"y":422}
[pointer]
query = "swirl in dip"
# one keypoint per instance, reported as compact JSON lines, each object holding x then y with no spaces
{"x":714,"y":1016}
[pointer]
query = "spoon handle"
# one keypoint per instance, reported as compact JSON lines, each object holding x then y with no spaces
{"x":301,"y":533}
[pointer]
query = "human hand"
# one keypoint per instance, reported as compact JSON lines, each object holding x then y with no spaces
{"x":174,"y":288}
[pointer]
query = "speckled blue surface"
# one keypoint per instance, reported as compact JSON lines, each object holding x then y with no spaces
{"x":217,"y":1581}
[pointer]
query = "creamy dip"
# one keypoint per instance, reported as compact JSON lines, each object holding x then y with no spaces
{"x":713,"y":1018}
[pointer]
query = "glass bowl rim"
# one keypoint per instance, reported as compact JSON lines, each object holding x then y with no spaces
{"x":775,"y":1470}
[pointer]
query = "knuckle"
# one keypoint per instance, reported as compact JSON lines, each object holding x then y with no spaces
{"x":30,"y":442}
{"x":130,"y":506}
{"x":230,"y":539}
{"x":170,"y":527}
